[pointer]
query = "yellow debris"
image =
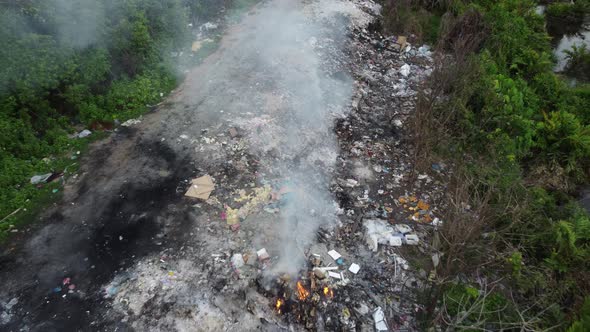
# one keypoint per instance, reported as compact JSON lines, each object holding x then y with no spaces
{"x":423,"y":206}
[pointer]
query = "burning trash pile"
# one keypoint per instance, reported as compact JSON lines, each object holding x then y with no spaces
{"x":244,"y":263}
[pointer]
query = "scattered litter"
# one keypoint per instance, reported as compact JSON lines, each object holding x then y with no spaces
{"x":84,"y":133}
{"x":40,"y":178}
{"x":319,"y":273}
{"x":435,"y":260}
{"x":334,"y":254}
{"x":131,"y":122}
{"x":334,"y":275}
{"x":402,"y":41}
{"x":201,"y":187}
{"x":262,"y":254}
{"x":405,"y":70}
{"x":379,"y":318}
{"x":351,"y":183}
{"x":354,"y":268}
{"x":255,"y":200}
{"x":404,"y":229}
{"x":11,"y":304}
{"x":412,"y":239}
{"x":379,"y":232}
{"x":237,"y":260}
{"x":437,"y":222}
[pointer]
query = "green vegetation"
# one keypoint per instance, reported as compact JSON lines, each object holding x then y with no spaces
{"x":569,"y":10}
{"x":578,"y":65}
{"x":519,"y":139}
{"x":69,"y":65}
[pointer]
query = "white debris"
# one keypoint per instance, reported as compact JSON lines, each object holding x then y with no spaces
{"x":237,"y":260}
{"x":435,"y":260}
{"x":398,"y":123}
{"x":262,"y":254}
{"x":208,"y":26}
{"x":354,"y":268}
{"x":401,"y":262}
{"x":334,"y":275}
{"x":131,"y":122}
{"x":84,"y":133}
{"x":351,"y":183}
{"x":11,"y":304}
{"x":404,"y":229}
{"x":379,"y":318}
{"x":437,"y":222}
{"x":334,"y":254}
{"x":379,"y":232}
{"x":412,"y":239}
{"x":424,"y":50}
{"x":40,"y":178}
{"x":405,"y":70}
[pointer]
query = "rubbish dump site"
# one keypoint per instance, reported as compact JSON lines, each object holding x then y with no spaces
{"x":273,"y":190}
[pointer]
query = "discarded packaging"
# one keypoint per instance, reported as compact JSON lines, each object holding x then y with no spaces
{"x":40,"y":178}
{"x":354,"y":268}
{"x":262,"y":254}
{"x":131,"y":122}
{"x":237,"y":260}
{"x":379,"y":318}
{"x":405,"y":70}
{"x":319,"y":273}
{"x":201,"y":187}
{"x":334,"y":254}
{"x":334,"y":275}
{"x":412,"y":239}
{"x":404,"y":229}
{"x":379,"y":232}
{"x":402,"y":41}
{"x":84,"y":133}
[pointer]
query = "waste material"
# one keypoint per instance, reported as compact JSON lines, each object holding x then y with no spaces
{"x":40,"y":178}
{"x":411,"y":239}
{"x":201,"y":187}
{"x":404,"y":229}
{"x":402,"y":41}
{"x":237,"y":261}
{"x":354,"y":268}
{"x":377,"y":232}
{"x":255,"y":200}
{"x":262,"y":254}
{"x":84,"y":133}
{"x":334,"y":254}
{"x":131,"y":122}
{"x":379,"y":318}
{"x":405,"y":70}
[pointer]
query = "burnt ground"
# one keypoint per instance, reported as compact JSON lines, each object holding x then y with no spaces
{"x":300,"y":118}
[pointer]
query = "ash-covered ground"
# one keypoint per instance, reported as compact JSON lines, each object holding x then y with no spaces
{"x":300,"y":119}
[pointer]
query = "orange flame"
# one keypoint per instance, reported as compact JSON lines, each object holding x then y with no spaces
{"x":279,"y":305}
{"x":328,"y":292}
{"x":301,"y":291}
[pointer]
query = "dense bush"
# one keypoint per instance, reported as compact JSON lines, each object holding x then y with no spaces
{"x":522,"y":135}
